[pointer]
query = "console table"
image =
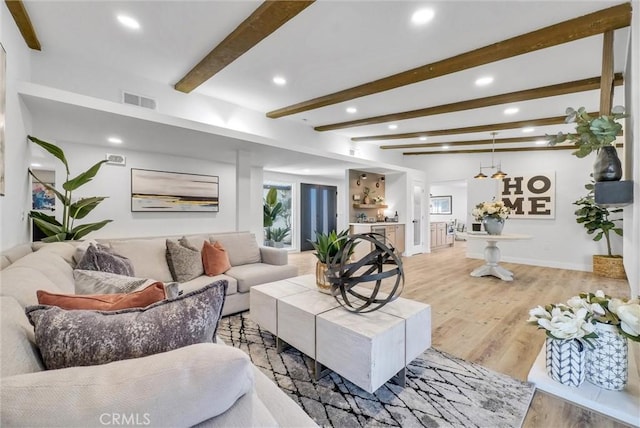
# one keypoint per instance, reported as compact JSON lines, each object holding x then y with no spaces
{"x":366,"y":349}
{"x":492,"y":254}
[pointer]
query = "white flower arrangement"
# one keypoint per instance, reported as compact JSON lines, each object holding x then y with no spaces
{"x":563,"y":322}
{"x":493,"y":209}
{"x":576,"y":319}
{"x":378,"y":199}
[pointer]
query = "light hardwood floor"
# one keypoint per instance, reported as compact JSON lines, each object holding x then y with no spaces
{"x":484,"y":319}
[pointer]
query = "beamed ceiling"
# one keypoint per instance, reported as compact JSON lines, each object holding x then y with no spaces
{"x":412,"y":86}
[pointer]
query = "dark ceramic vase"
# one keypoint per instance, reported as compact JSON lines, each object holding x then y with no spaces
{"x":607,"y":166}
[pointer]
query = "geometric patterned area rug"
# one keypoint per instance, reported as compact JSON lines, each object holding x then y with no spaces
{"x":441,"y":390}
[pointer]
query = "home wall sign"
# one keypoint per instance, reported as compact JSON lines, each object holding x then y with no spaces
{"x":530,"y":196}
{"x":173,"y":191}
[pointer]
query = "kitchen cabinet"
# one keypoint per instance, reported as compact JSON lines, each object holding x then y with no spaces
{"x":440,"y":236}
{"x":393,"y":232}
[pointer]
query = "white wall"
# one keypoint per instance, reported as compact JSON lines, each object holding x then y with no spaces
{"x":16,"y":202}
{"x":632,"y":158}
{"x":115,"y":182}
{"x":295,"y":181}
{"x":458,"y":192}
{"x":560,"y":242}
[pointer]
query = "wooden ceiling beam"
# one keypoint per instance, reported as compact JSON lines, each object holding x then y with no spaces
{"x":21,"y":17}
{"x":465,"y":143}
{"x":513,"y":149}
{"x":267,"y":18}
{"x":607,"y":76}
{"x":526,"y":95}
{"x":585,"y":26}
{"x":556,"y":120}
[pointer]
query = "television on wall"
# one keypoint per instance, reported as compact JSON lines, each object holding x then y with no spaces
{"x":163,"y":191}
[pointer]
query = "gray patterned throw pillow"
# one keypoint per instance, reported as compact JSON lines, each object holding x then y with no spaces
{"x":103,"y":259}
{"x":185,"y":260}
{"x":68,"y":338}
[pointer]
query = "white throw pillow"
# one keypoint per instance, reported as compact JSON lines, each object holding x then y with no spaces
{"x":96,"y":282}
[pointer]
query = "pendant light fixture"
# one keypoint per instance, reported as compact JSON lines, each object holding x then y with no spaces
{"x":499,"y":174}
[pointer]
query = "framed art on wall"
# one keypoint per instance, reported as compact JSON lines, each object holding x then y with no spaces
{"x":440,"y":205}
{"x":173,"y":191}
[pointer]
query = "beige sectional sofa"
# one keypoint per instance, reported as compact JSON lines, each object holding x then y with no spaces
{"x":206,"y":384}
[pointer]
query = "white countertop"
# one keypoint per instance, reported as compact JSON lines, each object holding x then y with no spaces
{"x":487,"y":237}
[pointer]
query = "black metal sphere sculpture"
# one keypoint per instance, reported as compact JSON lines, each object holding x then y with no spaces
{"x":345,"y":276}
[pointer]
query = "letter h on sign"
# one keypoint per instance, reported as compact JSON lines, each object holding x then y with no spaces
{"x":530,"y":196}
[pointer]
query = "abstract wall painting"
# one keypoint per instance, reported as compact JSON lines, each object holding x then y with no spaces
{"x":162,"y":191}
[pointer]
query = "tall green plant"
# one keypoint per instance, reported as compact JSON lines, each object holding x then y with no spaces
{"x":72,"y":210}
{"x":596,"y":218}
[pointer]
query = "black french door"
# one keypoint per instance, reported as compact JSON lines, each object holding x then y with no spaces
{"x":318,"y":212}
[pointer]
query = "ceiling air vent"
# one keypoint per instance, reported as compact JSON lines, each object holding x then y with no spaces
{"x":113,"y":159}
{"x":138,"y":100}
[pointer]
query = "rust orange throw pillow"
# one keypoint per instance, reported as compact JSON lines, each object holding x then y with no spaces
{"x":105,"y":302}
{"x":215,"y":258}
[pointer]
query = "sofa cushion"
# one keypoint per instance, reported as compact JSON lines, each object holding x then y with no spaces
{"x":53,"y":265}
{"x":81,"y":248}
{"x":184,"y":260}
{"x":215,"y":258}
{"x":95,"y":282}
{"x":105,"y":302}
{"x":201,"y":281}
{"x":19,"y":352}
{"x":69,"y":338}
{"x":149,"y":257}
{"x":242,"y":247}
{"x":173,"y":389}
{"x":22,"y":283}
{"x":260,"y":273}
{"x":103,"y":259}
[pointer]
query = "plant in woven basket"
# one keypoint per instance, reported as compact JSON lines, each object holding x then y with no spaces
{"x":72,"y":209}
{"x":596,"y":218}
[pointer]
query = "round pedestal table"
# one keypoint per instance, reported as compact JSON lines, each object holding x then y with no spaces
{"x":492,"y":254}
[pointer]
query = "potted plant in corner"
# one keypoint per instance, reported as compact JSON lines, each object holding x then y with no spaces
{"x":595,"y":134}
{"x":327,"y":247}
{"x":278,"y":234}
{"x":271,"y":210}
{"x":598,"y":219}
{"x":72,"y":210}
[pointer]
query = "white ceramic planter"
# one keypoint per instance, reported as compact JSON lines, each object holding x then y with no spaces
{"x":566,"y":361}
{"x":607,"y":363}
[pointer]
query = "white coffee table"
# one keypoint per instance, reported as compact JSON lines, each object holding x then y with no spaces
{"x":367,"y":349}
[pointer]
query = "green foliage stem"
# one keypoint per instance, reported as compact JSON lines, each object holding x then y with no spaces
{"x":597,"y":219}
{"x":72,"y":211}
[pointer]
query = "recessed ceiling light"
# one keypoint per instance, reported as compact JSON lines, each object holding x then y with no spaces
{"x":541,"y":142}
{"x":422,"y":16}
{"x":393,"y":126}
{"x":114,"y":140}
{"x":351,"y":110}
{"x":445,"y":147}
{"x":422,"y":138}
{"x":36,"y":165}
{"x":484,"y":81}
{"x":528,"y":129}
{"x":129,"y":22}
{"x":511,"y":110}
{"x":279,"y":80}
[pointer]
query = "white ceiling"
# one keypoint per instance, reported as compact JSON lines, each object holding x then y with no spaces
{"x":334,"y":45}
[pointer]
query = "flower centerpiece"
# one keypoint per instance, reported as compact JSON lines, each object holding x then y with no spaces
{"x":568,"y":332}
{"x":492,"y":215}
{"x":600,"y":322}
{"x":378,"y":199}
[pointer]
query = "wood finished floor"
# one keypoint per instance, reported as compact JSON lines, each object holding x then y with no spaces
{"x":484,"y":319}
